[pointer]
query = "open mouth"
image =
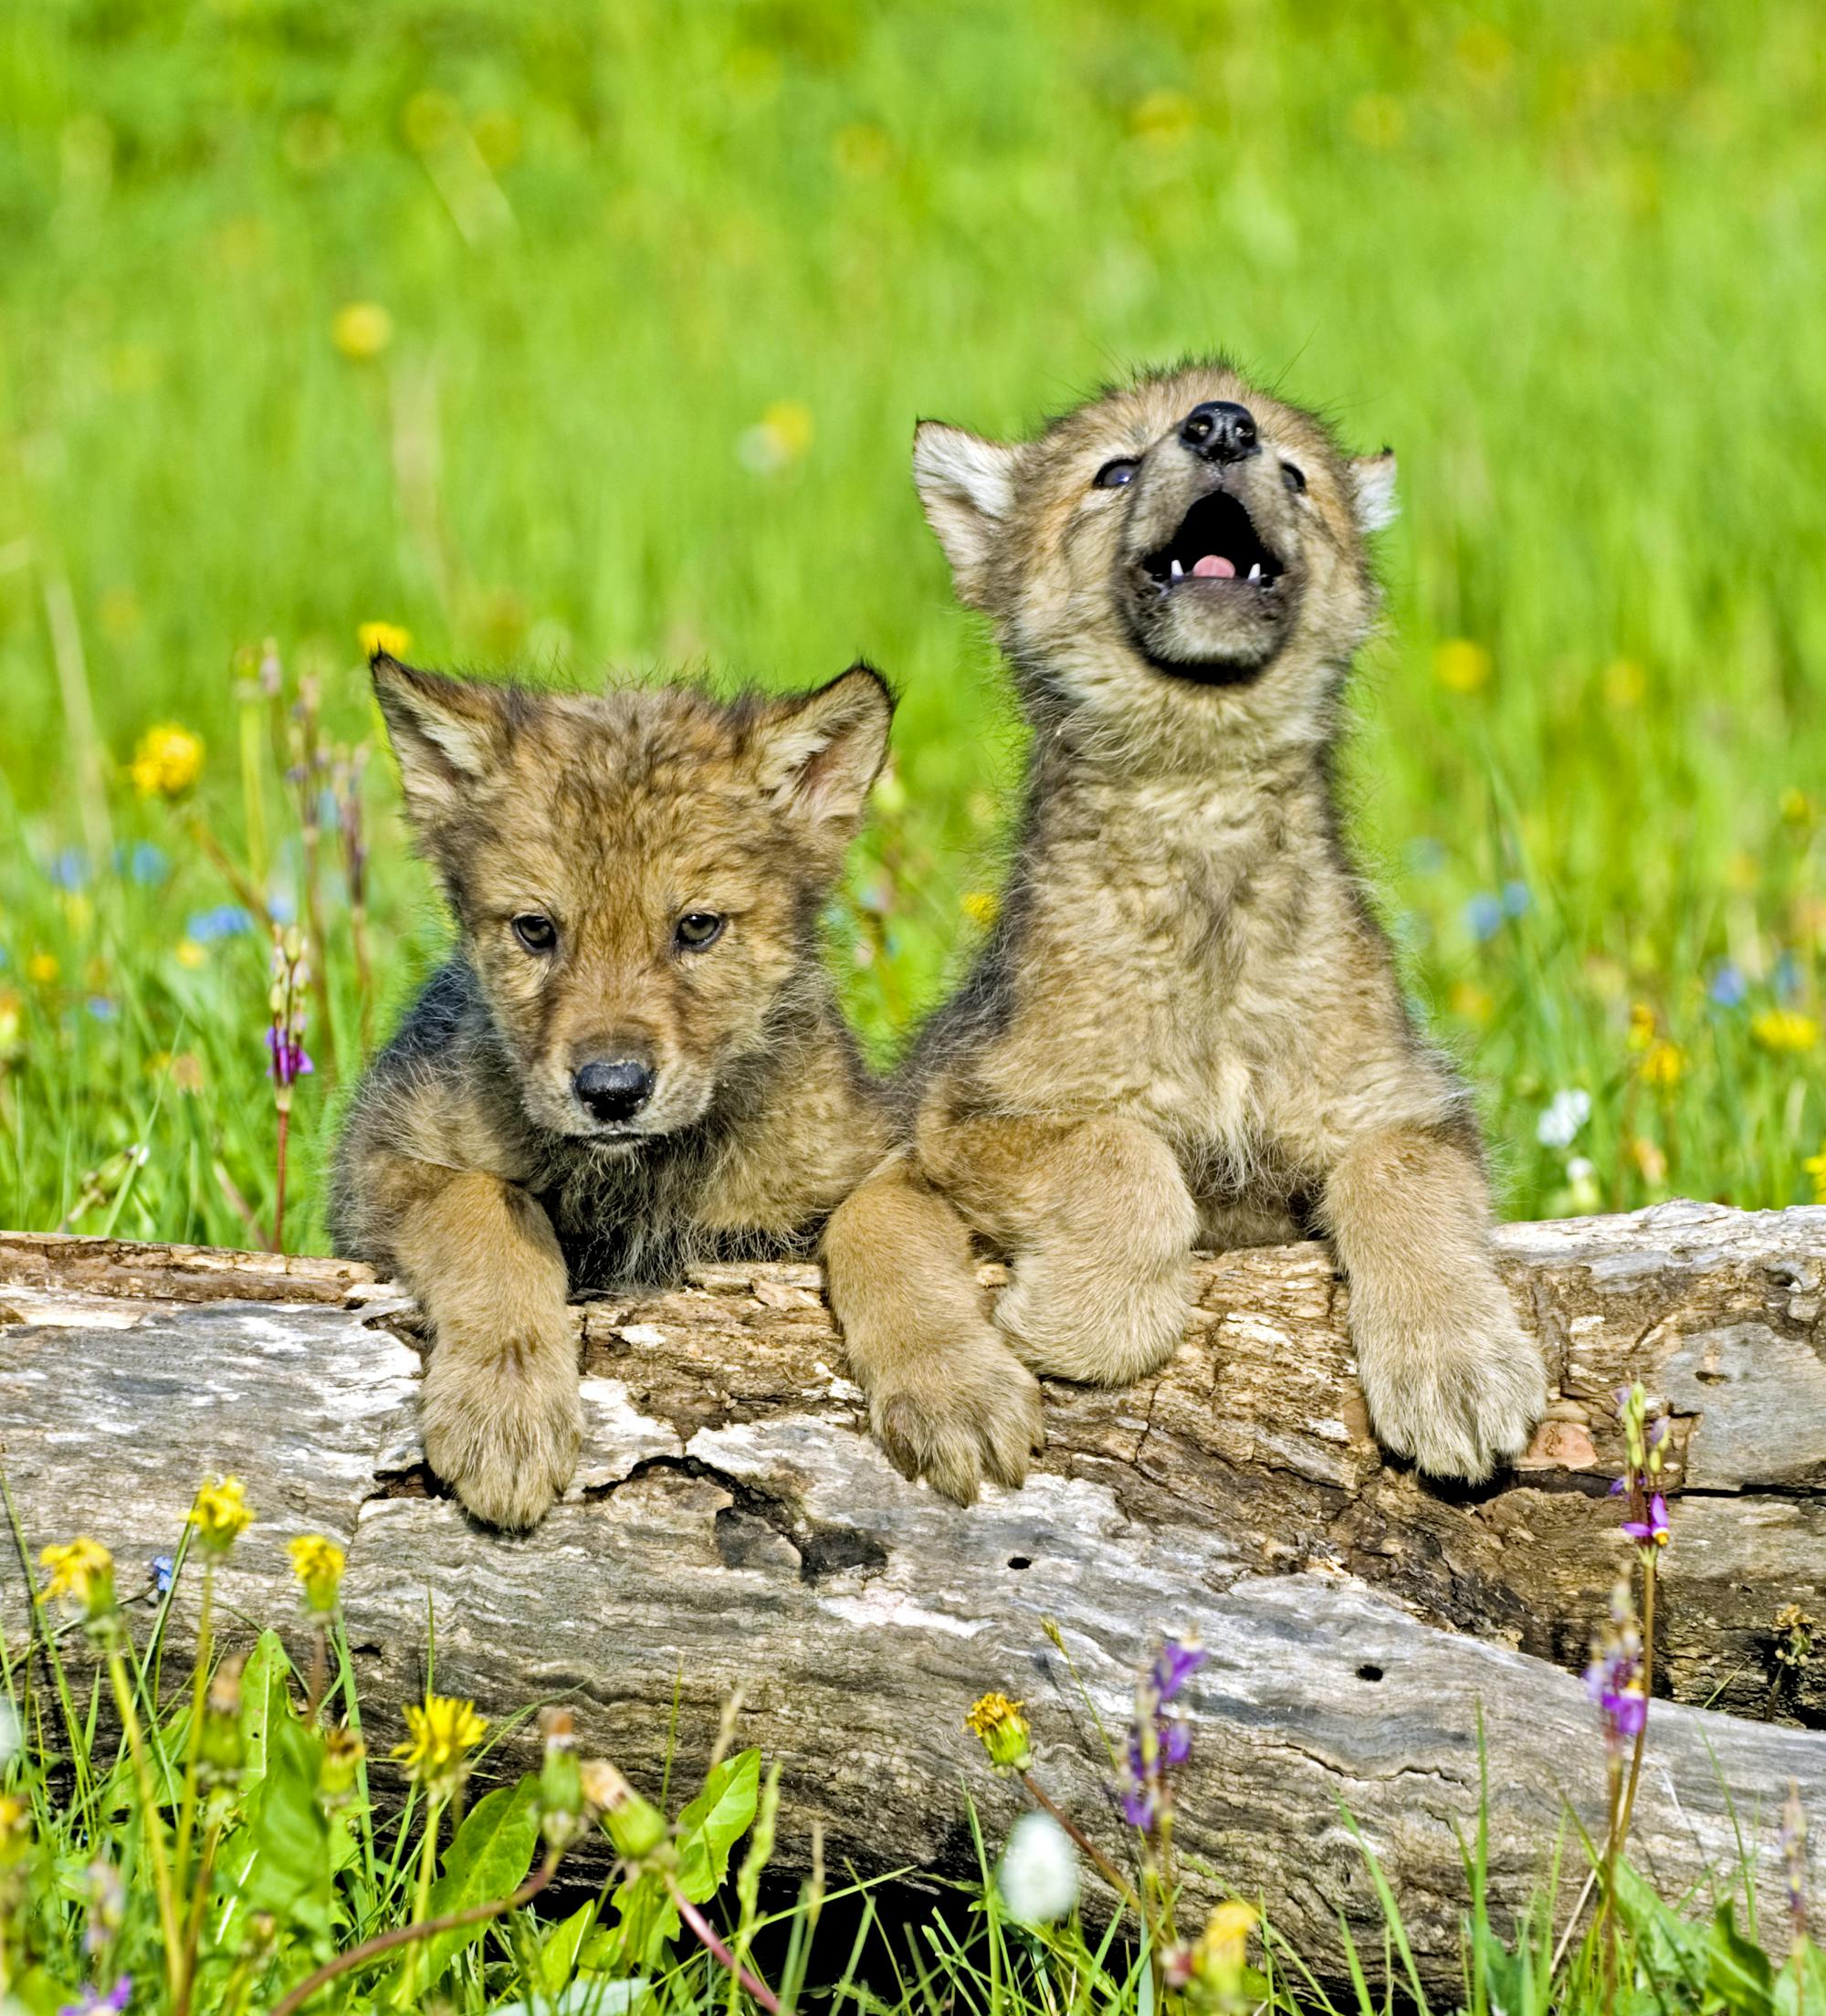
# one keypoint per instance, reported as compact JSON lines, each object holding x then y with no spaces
{"x":1215,"y":543}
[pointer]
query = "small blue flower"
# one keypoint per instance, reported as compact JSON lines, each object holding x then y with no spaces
{"x":103,"y":1009}
{"x":1728,"y":986}
{"x":1426,"y":855}
{"x":148,"y":862}
{"x":1787,"y":976}
{"x":165,"y":1571}
{"x":281,"y":906}
{"x":1482,"y":917}
{"x":226,"y":921}
{"x":70,"y":869}
{"x":1516,"y":898}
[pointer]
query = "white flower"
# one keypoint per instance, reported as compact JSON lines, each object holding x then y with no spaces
{"x":1578,"y":1169}
{"x":1039,"y":1874}
{"x":1564,"y":1114}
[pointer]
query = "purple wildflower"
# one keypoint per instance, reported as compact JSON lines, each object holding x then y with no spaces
{"x":1615,"y":1678}
{"x":95,"y":2003}
{"x":1794,"y":1860}
{"x":289,"y":1061}
{"x":1651,"y":1531}
{"x":1178,"y":1660}
{"x":1157,"y":1742}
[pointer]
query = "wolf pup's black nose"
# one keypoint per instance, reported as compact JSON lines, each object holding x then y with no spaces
{"x":614,"y":1090}
{"x":1219,"y":430}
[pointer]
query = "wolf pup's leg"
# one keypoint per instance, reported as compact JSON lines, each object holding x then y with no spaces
{"x":946,"y":1398}
{"x":501,"y":1413}
{"x":1099,"y":1227}
{"x":1451,"y":1379}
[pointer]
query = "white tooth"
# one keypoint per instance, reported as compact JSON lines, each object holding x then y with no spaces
{"x":1177,"y":571}
{"x":1255,"y":571}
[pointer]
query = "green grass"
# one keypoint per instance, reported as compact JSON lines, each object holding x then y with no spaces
{"x":1566,"y":259}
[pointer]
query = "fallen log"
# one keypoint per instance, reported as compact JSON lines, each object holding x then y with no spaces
{"x":731,"y":1525}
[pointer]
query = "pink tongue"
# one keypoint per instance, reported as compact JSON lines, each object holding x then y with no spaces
{"x":1214,"y":566}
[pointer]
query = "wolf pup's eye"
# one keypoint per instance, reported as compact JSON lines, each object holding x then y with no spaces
{"x":1293,"y":475}
{"x":696,"y":930}
{"x":537,"y":933}
{"x":1112,"y":476}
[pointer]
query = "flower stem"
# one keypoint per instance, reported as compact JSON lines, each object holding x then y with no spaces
{"x":421,"y":1903}
{"x":696,"y":1919}
{"x":280,"y":1198}
{"x":149,"y":1806}
{"x":1629,"y":1808}
{"x":421,"y":1929}
{"x":193,"y":1739}
{"x":1110,"y":1874}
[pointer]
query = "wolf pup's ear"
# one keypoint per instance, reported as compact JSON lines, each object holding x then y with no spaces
{"x":817,"y":753}
{"x":1372,"y":490}
{"x":967,"y":487}
{"x":448,"y":734}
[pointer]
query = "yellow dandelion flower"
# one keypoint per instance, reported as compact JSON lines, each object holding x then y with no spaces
{"x":167,"y":762}
{"x":221,"y":1514}
{"x":1000,"y":1726}
{"x":1626,"y":685}
{"x":390,"y":640}
{"x":441,"y":1732}
{"x":1461,"y":666}
{"x":1164,"y":119}
{"x":1662,"y":1063}
{"x":1378,"y":121}
{"x":42,"y":968}
{"x":1815,"y":1166}
{"x":1797,"y":807}
{"x":12,"y":1023}
{"x":362,"y":330}
{"x":980,"y":906}
{"x":1641,"y":1027}
{"x":1472,"y":1002}
{"x":1781,"y":1029}
{"x":318,"y":1563}
{"x":80,"y":1572}
{"x":190,"y":955}
{"x":1223,"y":1946}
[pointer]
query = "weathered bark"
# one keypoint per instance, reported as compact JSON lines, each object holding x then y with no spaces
{"x":731,"y":1521}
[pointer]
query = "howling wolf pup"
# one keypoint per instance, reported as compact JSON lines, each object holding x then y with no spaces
{"x":633,"y":1058}
{"x":1186,"y":1028}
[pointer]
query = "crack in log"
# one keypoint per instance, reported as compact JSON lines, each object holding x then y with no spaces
{"x":824,"y":1547}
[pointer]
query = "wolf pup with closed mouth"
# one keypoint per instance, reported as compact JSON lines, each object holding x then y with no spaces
{"x":1186,"y":1028}
{"x":633,"y":1059}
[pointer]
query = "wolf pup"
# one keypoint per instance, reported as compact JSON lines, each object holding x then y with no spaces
{"x":633,"y":1057}
{"x":1186,"y":1027}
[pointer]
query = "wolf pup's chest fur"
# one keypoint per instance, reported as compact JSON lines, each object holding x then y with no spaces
{"x":1187,"y":1024}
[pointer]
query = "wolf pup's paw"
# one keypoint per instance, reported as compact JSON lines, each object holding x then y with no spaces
{"x":503,"y":1432}
{"x":1073,"y":1321}
{"x":974,"y":1414}
{"x":1459,"y":1401}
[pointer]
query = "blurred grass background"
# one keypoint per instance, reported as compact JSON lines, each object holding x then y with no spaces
{"x":568,"y":336}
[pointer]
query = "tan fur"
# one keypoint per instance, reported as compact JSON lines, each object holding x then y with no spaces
{"x":1187,"y":1027}
{"x":469,"y":1163}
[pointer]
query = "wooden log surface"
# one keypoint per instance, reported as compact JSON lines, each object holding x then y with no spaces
{"x":731,"y":1521}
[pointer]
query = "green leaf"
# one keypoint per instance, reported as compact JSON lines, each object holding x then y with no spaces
{"x":1738,"y":1971}
{"x":488,"y":1858}
{"x":264,"y":1700}
{"x":558,"y":1949}
{"x":713,"y":1824}
{"x":283,"y":1860}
